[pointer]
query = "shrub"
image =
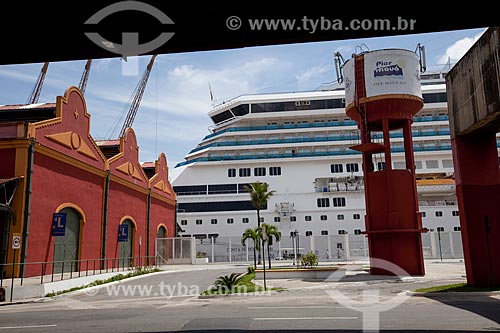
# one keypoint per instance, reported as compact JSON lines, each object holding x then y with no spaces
{"x":251,"y":269}
{"x":309,"y":260}
{"x":228,"y":282}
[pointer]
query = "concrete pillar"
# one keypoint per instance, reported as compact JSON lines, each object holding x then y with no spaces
{"x":193,"y":250}
{"x":478,"y":192}
{"x":329,"y":247}
{"x":434,"y":245}
{"x":347,"y":247}
{"x":212,"y":249}
{"x":452,"y":248}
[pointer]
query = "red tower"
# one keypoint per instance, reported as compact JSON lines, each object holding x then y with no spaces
{"x":382,"y":95}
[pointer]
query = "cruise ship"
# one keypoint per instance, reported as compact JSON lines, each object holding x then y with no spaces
{"x":298,"y":143}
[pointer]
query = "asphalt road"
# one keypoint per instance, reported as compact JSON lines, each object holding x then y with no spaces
{"x":158,"y":306}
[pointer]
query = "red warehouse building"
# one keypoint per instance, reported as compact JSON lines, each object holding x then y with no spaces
{"x":50,"y":164}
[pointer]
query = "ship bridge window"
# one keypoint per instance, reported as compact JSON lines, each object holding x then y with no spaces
{"x":324,"y":232}
{"x":190,"y":189}
{"x":244,"y":172}
{"x":357,"y":231}
{"x":199,"y":222}
{"x":352,"y":167}
{"x":275,"y":171}
{"x":454,"y":213}
{"x":259,"y":172}
{"x":244,"y":220}
{"x":435,"y":97}
{"x":447,"y":163}
{"x":323,"y":202}
{"x":293,"y":218}
{"x":240,"y":110}
{"x":216,"y":206}
{"x":184,"y":222}
{"x":242,"y":188}
{"x":231,"y":172}
{"x":336,"y":168}
{"x":308,"y":218}
{"x":342,"y":232}
{"x":213,"y":221}
{"x":356,"y":216}
{"x":309,"y":233}
{"x":338,"y":202}
{"x":432,"y":164}
{"x":222,"y":117}
{"x":230,"y":221}
{"x":400,"y":165}
{"x":222,"y":189}
{"x":456,"y":228}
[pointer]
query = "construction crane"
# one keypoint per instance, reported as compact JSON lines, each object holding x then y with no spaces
{"x":85,"y":77}
{"x":138,"y":93}
{"x":35,"y":94}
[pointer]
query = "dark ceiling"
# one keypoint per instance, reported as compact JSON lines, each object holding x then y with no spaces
{"x":48,"y":31}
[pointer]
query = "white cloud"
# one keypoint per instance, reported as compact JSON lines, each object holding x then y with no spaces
{"x":17,"y":75}
{"x":179,"y":94}
{"x":313,"y":73}
{"x":458,"y":49}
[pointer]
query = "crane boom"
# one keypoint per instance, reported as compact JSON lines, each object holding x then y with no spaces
{"x":136,"y":102}
{"x":85,"y":77}
{"x":35,"y":94}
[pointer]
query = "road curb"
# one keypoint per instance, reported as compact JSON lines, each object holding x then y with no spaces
{"x":25,"y":301}
{"x":451,"y":294}
{"x":256,"y":294}
{"x":90,"y":290}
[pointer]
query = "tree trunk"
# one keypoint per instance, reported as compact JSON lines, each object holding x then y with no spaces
{"x":263,"y":249}
{"x":269,"y":254}
{"x":258,"y":225}
{"x":254,"y":254}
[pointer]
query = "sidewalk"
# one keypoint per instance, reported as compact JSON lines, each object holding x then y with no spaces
{"x":452,"y":269}
{"x":32,"y":290}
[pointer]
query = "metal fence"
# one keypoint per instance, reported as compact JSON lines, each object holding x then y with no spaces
{"x":435,"y":245}
{"x":178,"y":250}
{"x":50,"y":271}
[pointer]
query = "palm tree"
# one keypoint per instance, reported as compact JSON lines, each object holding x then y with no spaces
{"x":259,"y":194}
{"x":251,"y":234}
{"x":271,"y":231}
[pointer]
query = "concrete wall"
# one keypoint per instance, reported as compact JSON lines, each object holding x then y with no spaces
{"x":473,"y":87}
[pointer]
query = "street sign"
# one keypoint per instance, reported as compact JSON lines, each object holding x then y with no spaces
{"x":16,"y":241}
{"x":58,"y":224}
{"x":123,"y":233}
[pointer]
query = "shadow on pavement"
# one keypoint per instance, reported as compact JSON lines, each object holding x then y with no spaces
{"x":484,"y":306}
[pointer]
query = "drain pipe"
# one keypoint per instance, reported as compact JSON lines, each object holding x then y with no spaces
{"x":105,"y":215}
{"x":27,"y":204}
{"x":148,"y":223}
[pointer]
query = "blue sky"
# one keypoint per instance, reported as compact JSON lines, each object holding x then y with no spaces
{"x":173,"y":114}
